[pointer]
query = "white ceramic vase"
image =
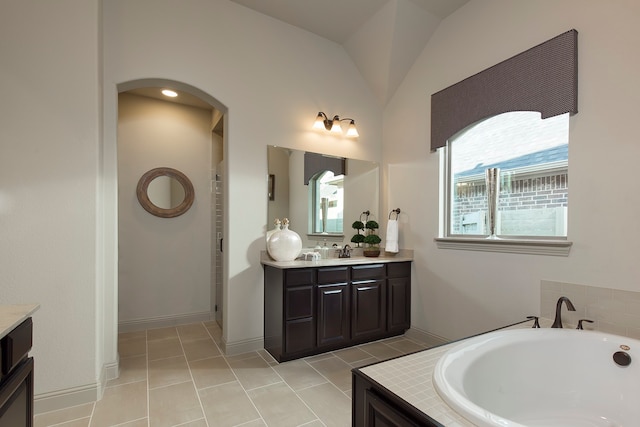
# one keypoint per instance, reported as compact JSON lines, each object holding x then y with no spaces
{"x":276,"y":227}
{"x":285,"y":244}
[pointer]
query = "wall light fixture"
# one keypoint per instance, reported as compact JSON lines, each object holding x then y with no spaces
{"x":333,"y":125}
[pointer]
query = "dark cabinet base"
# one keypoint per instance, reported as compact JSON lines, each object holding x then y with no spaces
{"x":313,"y":310}
{"x":16,"y":385}
{"x":375,"y":406}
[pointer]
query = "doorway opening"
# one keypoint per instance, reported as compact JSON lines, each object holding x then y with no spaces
{"x":170,"y":270}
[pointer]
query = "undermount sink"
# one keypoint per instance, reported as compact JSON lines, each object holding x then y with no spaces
{"x":542,"y":377}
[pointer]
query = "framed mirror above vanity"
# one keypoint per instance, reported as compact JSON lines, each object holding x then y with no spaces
{"x":320,"y":194}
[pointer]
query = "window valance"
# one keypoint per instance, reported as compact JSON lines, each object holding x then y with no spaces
{"x":543,"y":78}
{"x":314,"y":163}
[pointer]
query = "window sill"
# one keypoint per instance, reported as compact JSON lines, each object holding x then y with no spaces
{"x":513,"y":246}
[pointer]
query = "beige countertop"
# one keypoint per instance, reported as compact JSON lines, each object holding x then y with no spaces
{"x":402,"y":256}
{"x":12,"y":315}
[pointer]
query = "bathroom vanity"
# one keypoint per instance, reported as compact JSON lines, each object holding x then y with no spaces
{"x":311,"y":307}
{"x":16,"y":367}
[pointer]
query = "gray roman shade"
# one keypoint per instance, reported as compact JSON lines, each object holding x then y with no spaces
{"x":314,"y":163}
{"x":543,"y":78}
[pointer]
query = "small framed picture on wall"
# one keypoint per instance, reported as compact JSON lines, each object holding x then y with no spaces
{"x":271,"y":187}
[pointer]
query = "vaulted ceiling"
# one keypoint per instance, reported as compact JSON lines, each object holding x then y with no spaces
{"x":383,"y":37}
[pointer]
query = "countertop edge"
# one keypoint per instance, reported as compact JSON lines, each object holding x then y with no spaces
{"x":404,"y":255}
{"x":13,"y":314}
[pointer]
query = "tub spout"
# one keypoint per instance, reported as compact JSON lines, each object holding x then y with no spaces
{"x":557,"y":323}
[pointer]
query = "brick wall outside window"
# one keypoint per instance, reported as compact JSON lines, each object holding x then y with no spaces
{"x":527,"y":206}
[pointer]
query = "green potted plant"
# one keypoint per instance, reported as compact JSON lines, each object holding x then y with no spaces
{"x":357,"y":238}
{"x":372,"y":240}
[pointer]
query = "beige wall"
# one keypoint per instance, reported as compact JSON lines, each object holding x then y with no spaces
{"x":164,"y":263}
{"x":50,"y":224}
{"x":458,"y":293}
{"x":273,"y":79}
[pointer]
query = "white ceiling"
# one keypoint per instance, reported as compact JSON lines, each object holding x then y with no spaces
{"x":383,"y":37}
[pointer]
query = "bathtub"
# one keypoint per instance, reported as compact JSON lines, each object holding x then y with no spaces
{"x":543,"y":377}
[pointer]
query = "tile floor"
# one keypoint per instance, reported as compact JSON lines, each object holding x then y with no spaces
{"x":178,"y":377}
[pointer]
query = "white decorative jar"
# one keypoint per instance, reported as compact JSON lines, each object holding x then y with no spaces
{"x":285,"y":244}
{"x":276,"y":227}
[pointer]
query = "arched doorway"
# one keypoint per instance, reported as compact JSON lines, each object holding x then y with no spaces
{"x":167,"y":269}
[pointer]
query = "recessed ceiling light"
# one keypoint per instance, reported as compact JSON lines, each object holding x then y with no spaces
{"x":170,"y":93}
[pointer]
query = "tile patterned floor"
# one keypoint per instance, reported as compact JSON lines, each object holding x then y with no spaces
{"x":179,"y":377}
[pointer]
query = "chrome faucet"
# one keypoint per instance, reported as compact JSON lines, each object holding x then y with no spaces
{"x":344,"y":252}
{"x":557,"y":323}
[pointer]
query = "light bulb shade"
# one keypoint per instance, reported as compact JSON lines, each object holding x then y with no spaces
{"x":319,"y":123}
{"x":335,"y":127}
{"x":352,"y":131}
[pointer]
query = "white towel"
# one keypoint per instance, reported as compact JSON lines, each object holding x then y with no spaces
{"x":392,"y":236}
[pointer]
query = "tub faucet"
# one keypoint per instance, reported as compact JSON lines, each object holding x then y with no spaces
{"x":557,"y":323}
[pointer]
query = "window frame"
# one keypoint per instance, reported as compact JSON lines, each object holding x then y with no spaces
{"x":557,"y":246}
{"x":313,"y":183}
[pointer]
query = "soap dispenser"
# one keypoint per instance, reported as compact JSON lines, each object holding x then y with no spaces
{"x":324,"y":251}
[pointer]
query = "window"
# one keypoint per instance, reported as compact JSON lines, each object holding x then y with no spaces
{"x":532,"y":155}
{"x":542,"y":79}
{"x":327,"y":203}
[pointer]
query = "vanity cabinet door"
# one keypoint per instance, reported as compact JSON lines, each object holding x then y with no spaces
{"x":398,"y":304}
{"x":398,"y":296}
{"x":333,"y":314}
{"x":368,"y":308}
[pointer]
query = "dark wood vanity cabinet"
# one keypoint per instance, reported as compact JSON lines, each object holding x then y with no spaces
{"x":317,"y":309}
{"x":16,"y":377}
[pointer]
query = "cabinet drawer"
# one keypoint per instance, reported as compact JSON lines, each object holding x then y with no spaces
{"x":333,"y":275}
{"x":364,"y":272}
{"x":399,"y":269}
{"x":16,"y":345}
{"x":300,"y":335}
{"x":299,"y":302}
{"x":300,"y":276}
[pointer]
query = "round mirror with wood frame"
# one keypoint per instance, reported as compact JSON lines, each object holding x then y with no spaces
{"x":152,"y":208}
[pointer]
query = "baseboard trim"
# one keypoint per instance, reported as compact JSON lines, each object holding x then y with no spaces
{"x":239,"y":347}
{"x":112,"y":370}
{"x":66,"y":398}
{"x":421,"y":335}
{"x":163,"y":321}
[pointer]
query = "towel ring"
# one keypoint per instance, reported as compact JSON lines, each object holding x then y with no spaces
{"x":395,"y":211}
